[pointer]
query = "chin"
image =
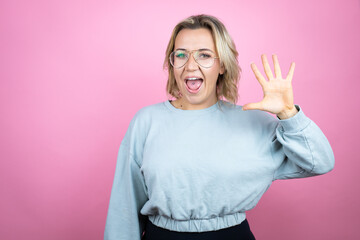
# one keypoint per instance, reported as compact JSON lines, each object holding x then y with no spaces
{"x":195,"y":99}
{"x":200,"y":101}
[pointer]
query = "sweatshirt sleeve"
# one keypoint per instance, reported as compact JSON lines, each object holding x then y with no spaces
{"x":300,"y":149}
{"x":128,"y":195}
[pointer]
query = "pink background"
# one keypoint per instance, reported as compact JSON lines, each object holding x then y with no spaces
{"x":73,"y":74}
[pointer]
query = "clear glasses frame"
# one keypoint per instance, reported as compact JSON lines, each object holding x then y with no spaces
{"x":195,"y":56}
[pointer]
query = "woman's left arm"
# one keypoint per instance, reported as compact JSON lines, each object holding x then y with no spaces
{"x":300,"y":148}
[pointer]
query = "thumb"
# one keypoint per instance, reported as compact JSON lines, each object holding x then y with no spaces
{"x":252,"y":106}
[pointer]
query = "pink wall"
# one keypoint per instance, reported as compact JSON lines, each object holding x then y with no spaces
{"x":73,"y":73}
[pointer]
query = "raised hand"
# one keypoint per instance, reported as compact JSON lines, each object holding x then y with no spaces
{"x":278,"y":94}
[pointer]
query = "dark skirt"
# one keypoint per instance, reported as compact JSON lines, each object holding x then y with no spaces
{"x":238,"y":232}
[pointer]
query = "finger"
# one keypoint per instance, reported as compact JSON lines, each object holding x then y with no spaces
{"x":258,"y":75}
{"x":267,"y":68}
{"x":276,"y":67}
{"x":253,"y":106}
{"x":291,"y":72}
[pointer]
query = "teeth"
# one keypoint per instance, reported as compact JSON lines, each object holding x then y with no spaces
{"x":192,"y":78}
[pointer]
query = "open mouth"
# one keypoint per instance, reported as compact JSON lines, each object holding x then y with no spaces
{"x":193,"y":84}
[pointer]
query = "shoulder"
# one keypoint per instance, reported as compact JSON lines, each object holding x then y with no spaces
{"x":250,"y":122}
{"x":147,"y":115}
{"x":149,"y":111}
{"x":252,"y":116}
{"x":142,"y":122}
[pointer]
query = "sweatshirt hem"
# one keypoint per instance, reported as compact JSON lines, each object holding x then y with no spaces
{"x":198,"y":225}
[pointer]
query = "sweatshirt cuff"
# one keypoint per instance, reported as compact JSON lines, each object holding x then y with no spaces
{"x":295,"y":123}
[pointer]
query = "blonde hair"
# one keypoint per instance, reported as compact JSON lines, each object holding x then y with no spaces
{"x":227,"y":83}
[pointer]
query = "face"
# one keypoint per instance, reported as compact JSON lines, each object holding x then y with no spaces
{"x":197,"y":84}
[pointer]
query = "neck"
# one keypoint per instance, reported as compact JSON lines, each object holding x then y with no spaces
{"x":181,"y":104}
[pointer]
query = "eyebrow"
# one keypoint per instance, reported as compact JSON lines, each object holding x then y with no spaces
{"x":201,"y":49}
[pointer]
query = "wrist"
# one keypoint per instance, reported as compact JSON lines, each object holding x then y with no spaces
{"x":288,"y":113}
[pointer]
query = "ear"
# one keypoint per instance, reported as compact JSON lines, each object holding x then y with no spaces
{"x":222,"y":69}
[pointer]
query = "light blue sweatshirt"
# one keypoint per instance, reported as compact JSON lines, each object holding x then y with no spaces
{"x":201,"y":170}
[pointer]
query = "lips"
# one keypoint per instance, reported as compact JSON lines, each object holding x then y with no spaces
{"x":193,"y":84}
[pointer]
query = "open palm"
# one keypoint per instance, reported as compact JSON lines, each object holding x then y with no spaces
{"x":278,"y":94}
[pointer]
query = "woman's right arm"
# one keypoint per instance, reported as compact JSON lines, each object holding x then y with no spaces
{"x":128,"y":195}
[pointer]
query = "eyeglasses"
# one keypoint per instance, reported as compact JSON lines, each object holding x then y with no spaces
{"x":204,"y":57}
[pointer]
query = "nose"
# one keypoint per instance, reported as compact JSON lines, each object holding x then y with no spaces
{"x":191,"y":64}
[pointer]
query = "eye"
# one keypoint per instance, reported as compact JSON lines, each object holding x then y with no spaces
{"x":180,"y":55}
{"x":205,"y":55}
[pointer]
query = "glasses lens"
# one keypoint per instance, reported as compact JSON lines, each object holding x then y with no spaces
{"x":178,"y":58}
{"x":205,"y":58}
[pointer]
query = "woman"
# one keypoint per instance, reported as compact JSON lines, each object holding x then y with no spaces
{"x":190,"y":168}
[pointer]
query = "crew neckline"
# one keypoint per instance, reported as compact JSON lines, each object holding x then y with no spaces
{"x":192,"y":112}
